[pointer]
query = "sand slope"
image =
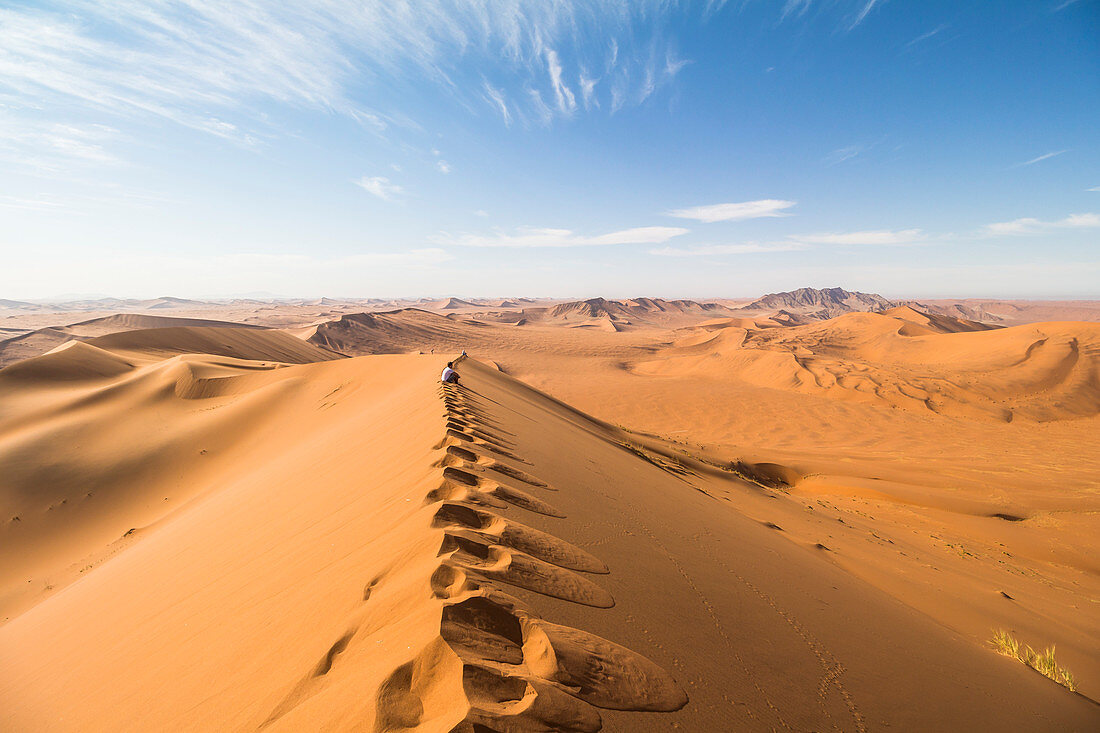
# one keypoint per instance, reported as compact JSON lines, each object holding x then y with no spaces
{"x":346,"y":545}
{"x":39,"y":341}
{"x":391,"y":332}
{"x":902,"y":358}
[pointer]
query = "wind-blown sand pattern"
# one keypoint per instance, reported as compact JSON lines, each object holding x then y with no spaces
{"x":220,"y":529}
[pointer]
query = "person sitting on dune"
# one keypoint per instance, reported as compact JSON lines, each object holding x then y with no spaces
{"x":449,"y":375}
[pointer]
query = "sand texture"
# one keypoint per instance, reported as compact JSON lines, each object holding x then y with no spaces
{"x":629,"y":515}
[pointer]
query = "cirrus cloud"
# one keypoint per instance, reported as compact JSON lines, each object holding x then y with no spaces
{"x":729,"y":249}
{"x":535,"y":237}
{"x":866,"y":237}
{"x":1029,"y":225}
{"x":762,"y":208}
{"x":379,"y":186}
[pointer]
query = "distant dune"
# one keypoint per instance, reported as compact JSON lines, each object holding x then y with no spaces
{"x":389,"y":332}
{"x":42,"y":340}
{"x":903,"y":358}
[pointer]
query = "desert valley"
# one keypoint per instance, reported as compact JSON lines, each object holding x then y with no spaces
{"x":810,"y":510}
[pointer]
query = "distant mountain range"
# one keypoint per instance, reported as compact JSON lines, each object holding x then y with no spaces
{"x":821,"y":303}
{"x":790,"y":308}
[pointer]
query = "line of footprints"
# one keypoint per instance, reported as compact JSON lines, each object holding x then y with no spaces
{"x":518,"y":672}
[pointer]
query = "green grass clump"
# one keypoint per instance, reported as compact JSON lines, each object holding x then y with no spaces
{"x":1042,"y":662}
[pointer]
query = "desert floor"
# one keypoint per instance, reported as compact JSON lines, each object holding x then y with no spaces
{"x":650,"y":515}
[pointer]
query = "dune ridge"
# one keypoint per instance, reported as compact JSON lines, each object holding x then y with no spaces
{"x":518,"y":672}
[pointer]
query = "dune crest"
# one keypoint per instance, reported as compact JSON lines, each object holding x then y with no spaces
{"x":517,"y":671}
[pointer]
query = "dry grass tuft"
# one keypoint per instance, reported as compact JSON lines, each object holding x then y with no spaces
{"x":1042,"y":662}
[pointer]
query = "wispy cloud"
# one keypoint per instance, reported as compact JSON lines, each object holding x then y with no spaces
{"x":1094,"y":188}
{"x":55,"y":148}
{"x":496,"y":99}
{"x":1029,"y":225}
{"x":762,"y":208}
{"x":1040,"y":158}
{"x":728,"y":249}
{"x":795,"y":8}
{"x":44,"y":203}
{"x":846,"y":153}
{"x":443,"y":166}
{"x":534,"y":237}
{"x":379,"y":186}
{"x":209,"y":65}
{"x":567,"y":101}
{"x":925,"y":36}
{"x":862,"y":15}
{"x":588,"y":90}
{"x":866,"y":237}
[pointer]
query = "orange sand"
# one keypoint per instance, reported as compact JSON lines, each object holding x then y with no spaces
{"x":763,"y":526}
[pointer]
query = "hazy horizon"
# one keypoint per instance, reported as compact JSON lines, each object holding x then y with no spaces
{"x":277,"y":297}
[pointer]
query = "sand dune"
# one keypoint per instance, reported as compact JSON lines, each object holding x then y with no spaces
{"x":235,"y":528}
{"x":903,"y":358}
{"x":391,"y":332}
{"x":331,"y":567}
{"x":39,"y":341}
{"x":239,"y":343}
{"x":1015,"y":312}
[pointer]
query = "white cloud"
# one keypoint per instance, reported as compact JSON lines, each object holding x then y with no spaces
{"x":1044,"y":156}
{"x":863,"y":13}
{"x":300,"y":262}
{"x":797,"y":8}
{"x":1094,"y":188}
{"x":443,"y":166}
{"x":496,"y":99}
{"x":541,"y":110}
{"x":846,"y":153}
{"x":673,"y":65}
{"x":588,"y":91}
{"x":379,"y":186}
{"x":534,"y":237}
{"x":729,"y":249}
{"x":482,"y":213}
{"x":55,"y":148}
{"x":925,"y":36}
{"x":1030,"y":225}
{"x":763,"y":208}
{"x":567,"y":101}
{"x":30,"y":204}
{"x":867,"y":237}
{"x":206,"y":65}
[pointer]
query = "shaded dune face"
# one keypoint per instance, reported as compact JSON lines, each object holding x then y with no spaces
{"x":909,"y":360}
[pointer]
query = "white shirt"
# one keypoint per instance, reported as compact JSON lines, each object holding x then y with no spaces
{"x":447,"y":372}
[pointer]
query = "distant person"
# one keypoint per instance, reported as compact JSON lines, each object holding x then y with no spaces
{"x":450,"y":376}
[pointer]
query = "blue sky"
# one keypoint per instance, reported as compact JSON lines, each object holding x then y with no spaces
{"x":504,"y":147}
